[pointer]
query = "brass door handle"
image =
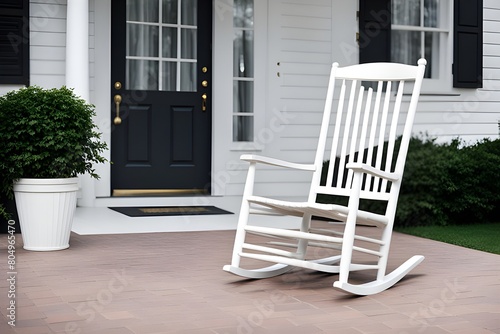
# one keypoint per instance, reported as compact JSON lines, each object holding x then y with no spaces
{"x":118,"y":100}
{"x":203,"y":102}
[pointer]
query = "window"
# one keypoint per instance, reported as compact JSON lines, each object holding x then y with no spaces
{"x":243,"y":71}
{"x":420,"y":28}
{"x":14,"y":42}
{"x":448,"y":33}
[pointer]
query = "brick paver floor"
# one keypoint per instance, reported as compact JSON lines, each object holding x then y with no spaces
{"x":174,"y":283}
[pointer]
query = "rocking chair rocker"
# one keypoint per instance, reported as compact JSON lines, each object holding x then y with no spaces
{"x":370,"y":110}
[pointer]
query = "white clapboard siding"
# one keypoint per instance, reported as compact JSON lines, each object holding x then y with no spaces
{"x":41,"y":10}
{"x":491,"y":25}
{"x":47,"y":43}
{"x":303,"y":32}
{"x":47,"y":24}
{"x":491,"y":4}
{"x":304,"y":53}
{"x":44,"y":52}
{"x":304,"y":105}
{"x":305,"y":57}
{"x":48,"y":39}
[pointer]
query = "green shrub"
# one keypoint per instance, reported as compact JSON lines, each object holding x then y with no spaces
{"x":449,"y":183}
{"x":46,"y":133}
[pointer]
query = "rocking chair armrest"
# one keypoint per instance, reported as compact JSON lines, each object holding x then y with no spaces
{"x":276,"y":162}
{"x":364,"y":168}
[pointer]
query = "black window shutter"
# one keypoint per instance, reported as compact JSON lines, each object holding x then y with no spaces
{"x":374,"y":31}
{"x":14,"y":42}
{"x":468,"y":44}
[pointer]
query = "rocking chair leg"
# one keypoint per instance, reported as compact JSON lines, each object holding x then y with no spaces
{"x":380,"y":285}
{"x":243,"y":217}
{"x":304,"y":227}
{"x":234,"y":267}
{"x":271,"y":271}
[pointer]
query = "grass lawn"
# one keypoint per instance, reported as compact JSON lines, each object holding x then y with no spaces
{"x":483,"y":237}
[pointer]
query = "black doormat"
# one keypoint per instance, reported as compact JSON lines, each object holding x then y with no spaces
{"x":151,"y":211}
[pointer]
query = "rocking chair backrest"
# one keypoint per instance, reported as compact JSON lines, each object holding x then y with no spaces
{"x":368,"y":107}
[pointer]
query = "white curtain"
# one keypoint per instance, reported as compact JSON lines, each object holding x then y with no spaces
{"x":408,"y":46}
{"x":143,"y":40}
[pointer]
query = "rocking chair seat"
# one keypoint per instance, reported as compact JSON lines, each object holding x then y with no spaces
{"x":331,"y":211}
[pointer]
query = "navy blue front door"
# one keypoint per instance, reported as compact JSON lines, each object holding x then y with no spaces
{"x":160,"y":96}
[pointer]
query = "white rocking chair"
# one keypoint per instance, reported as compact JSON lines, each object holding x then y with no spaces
{"x":364,"y":170}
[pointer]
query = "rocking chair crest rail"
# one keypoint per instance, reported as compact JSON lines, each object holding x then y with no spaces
{"x":365,"y":112}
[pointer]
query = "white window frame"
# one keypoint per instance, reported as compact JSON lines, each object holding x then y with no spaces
{"x":259,"y":80}
{"x":443,"y":83}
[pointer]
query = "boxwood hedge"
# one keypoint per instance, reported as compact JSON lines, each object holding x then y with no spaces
{"x":445,"y":183}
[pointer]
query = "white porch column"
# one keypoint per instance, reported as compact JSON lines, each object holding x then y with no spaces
{"x":77,"y":47}
{"x":77,"y":70}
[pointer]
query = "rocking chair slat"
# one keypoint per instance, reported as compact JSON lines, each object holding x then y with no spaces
{"x":373,"y":128}
{"x":356,"y":237}
{"x":366,"y":251}
{"x":292,"y":234}
{"x":272,"y":250}
{"x":293,"y":262}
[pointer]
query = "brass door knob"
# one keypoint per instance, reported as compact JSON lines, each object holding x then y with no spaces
{"x":203,"y":102}
{"x":118,"y":100}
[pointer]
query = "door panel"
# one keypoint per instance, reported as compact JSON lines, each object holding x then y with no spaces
{"x":161,"y":61}
{"x":182,"y":132}
{"x":138,"y":135}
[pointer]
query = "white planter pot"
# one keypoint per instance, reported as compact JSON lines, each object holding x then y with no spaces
{"x":46,"y":208}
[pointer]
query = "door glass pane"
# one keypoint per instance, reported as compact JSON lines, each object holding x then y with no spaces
{"x":142,"y":74}
{"x":243,"y":53}
{"x":243,"y":96}
{"x":169,"y":11}
{"x":169,"y":45}
{"x":188,"y":77}
{"x":142,"y":10}
{"x":188,"y":43}
{"x":242,"y":128}
{"x":169,"y":75}
{"x":243,"y":14}
{"x":142,"y":40}
{"x":189,"y":11}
